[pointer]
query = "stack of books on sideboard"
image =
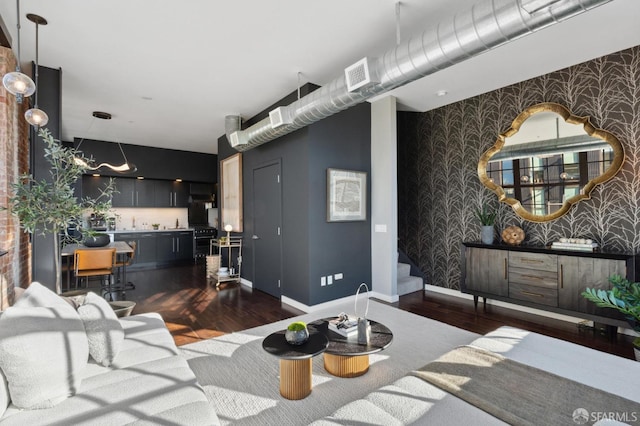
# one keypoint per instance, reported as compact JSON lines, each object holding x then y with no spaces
{"x":574,"y":244}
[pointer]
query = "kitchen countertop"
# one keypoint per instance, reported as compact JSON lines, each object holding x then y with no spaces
{"x":129,"y":231}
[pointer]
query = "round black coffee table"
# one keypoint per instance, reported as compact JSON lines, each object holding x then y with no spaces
{"x":345,"y":357}
{"x":295,"y":362}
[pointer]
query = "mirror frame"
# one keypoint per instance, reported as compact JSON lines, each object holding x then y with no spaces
{"x":589,"y":128}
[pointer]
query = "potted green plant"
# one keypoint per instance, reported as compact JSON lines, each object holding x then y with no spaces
{"x":487,"y":220}
{"x":624,"y":296}
{"x":297,"y":333}
{"x":49,"y":206}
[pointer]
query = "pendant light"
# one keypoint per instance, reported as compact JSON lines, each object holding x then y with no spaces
{"x":16,"y":82}
{"x":35,"y":116}
{"x":124,"y":168}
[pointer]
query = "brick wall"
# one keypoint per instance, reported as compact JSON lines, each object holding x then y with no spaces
{"x":15,"y":266}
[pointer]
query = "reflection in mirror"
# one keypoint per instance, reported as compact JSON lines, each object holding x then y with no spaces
{"x":548,"y":160}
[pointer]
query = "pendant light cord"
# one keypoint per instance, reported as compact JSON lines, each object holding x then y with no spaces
{"x":18,"y":26}
{"x":35,"y":100}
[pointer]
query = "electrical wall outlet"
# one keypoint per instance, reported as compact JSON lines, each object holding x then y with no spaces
{"x":330,"y":279}
{"x":338,"y":276}
{"x":323,"y":281}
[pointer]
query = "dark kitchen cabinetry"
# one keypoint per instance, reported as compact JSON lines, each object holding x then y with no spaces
{"x":134,"y":193}
{"x":171,"y":194}
{"x":174,"y":246}
{"x":139,"y":192}
{"x":153,"y":163}
{"x":92,"y":186}
{"x":145,"y":246}
{"x":159,"y":247}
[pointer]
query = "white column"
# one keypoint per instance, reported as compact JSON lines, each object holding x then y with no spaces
{"x":384,"y":200}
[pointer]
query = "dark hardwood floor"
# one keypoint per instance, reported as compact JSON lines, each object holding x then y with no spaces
{"x":194,"y":309}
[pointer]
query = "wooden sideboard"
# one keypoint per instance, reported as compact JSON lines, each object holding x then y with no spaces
{"x":538,"y":277}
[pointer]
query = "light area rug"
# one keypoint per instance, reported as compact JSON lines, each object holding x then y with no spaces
{"x":241,"y":380}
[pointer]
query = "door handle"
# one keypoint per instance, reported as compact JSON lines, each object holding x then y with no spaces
{"x":255,"y":237}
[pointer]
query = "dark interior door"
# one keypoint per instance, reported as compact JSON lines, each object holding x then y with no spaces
{"x":267,"y":217}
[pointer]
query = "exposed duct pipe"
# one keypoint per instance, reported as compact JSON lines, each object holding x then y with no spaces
{"x":487,"y":25}
{"x":232,"y":123}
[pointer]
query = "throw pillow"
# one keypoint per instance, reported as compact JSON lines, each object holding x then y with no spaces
{"x":37,"y":295}
{"x":104,"y":332}
{"x":43,"y":351}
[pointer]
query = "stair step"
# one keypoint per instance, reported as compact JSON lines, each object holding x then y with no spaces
{"x":404,"y":270}
{"x":409,"y":284}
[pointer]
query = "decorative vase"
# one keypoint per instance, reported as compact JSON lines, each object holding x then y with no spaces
{"x":487,"y":234}
{"x":297,"y":337}
{"x":97,"y":240}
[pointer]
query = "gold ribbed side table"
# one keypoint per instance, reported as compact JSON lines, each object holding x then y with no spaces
{"x":345,"y":357}
{"x":295,"y":362}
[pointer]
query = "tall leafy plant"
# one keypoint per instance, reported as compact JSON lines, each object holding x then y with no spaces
{"x":48,"y":206}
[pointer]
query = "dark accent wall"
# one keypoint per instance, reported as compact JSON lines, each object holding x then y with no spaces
{"x":438,"y":152}
{"x":49,"y":100}
{"x":311,"y":246}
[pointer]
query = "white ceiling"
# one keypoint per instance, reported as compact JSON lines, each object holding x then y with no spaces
{"x":169,"y":71}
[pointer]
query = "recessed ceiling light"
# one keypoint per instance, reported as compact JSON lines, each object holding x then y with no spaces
{"x":441,"y":93}
{"x":101,"y":115}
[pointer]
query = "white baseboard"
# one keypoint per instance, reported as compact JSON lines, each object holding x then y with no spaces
{"x":384,"y":297}
{"x":561,"y":317}
{"x":246,"y":283}
{"x":336,"y":302}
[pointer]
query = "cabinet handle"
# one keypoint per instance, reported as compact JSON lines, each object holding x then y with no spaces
{"x":177,"y":245}
{"x":137,"y":199}
{"x":175,"y":199}
{"x":532,"y":294}
{"x":561,"y":276}
{"x":522,"y":259}
{"x":170,"y":204}
{"x":533,"y":277}
{"x":133,"y":201}
{"x":505,"y":269}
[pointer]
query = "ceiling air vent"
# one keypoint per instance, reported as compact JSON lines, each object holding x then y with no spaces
{"x":279,"y":117}
{"x":237,"y":138}
{"x":360,"y":75}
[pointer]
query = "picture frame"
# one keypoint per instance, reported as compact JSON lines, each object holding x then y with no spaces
{"x":231,"y":192}
{"x":346,"y":195}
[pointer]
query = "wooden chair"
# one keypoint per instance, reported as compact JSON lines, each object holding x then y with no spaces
{"x":123,"y":264}
{"x":95,"y":263}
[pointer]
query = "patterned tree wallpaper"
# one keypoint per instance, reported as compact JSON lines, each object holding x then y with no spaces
{"x":438,"y":152}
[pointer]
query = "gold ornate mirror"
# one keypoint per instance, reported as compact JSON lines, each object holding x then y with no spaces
{"x":548,"y":160}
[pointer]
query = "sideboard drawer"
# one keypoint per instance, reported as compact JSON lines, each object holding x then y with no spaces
{"x":533,"y":277}
{"x":541,"y":295}
{"x":537,"y":261}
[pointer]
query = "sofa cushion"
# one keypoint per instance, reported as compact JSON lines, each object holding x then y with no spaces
{"x":38,"y":333}
{"x":148,"y":384}
{"x":104,"y":332}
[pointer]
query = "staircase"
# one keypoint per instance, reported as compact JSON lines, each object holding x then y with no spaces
{"x":407,"y":283}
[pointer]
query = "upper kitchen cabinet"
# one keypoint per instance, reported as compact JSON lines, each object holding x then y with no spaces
{"x":134,"y":193}
{"x":153,"y":163}
{"x":171,"y":194}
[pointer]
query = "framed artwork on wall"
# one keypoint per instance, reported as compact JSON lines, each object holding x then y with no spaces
{"x":231,"y":192}
{"x":346,"y":195}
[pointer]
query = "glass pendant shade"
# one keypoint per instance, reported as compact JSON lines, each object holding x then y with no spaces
{"x":36,"y":117}
{"x":18,"y":83}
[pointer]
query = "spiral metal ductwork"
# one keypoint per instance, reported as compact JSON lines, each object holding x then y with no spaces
{"x":487,"y":25}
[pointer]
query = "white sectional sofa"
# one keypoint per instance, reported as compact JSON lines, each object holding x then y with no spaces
{"x":411,"y":400}
{"x":147,"y":382}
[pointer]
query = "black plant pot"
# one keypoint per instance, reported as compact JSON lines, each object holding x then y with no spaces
{"x":97,"y":240}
